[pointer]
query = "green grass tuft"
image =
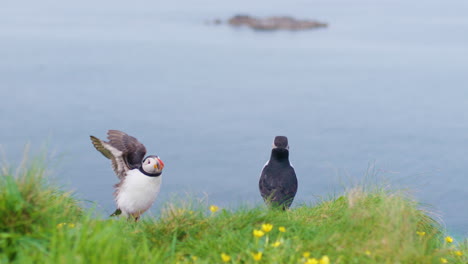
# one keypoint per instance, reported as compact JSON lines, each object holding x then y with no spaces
{"x":42,"y":224}
{"x":30,"y":209}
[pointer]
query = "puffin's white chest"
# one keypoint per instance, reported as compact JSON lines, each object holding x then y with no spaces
{"x":137,"y":192}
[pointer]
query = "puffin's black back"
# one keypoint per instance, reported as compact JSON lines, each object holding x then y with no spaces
{"x":278,"y":182}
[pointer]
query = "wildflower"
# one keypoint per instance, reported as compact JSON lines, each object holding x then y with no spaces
{"x":306,"y":254}
{"x":421,"y":234}
{"x":443,"y":260}
{"x":267,"y":227}
{"x":180,"y":211}
{"x":194,"y":258}
{"x":257,"y":256}
{"x":458,"y":253}
{"x":258,"y":233}
{"x":276,"y":244}
{"x":367,"y":252}
{"x":449,"y":239}
{"x":324,"y":260}
{"x":62,"y":225}
{"x":312,"y":261}
{"x":214,"y":208}
{"x":282,"y":229}
{"x":225,"y":257}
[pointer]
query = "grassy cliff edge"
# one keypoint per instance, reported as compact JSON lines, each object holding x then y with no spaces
{"x":43,"y":224}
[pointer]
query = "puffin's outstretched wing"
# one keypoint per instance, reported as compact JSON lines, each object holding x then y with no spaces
{"x":118,"y":163}
{"x":133,"y":151}
{"x":125,"y":151}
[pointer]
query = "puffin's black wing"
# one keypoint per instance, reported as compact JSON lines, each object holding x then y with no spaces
{"x":132,"y":150}
{"x":125,"y":151}
{"x":278,"y":188}
{"x":118,"y":163}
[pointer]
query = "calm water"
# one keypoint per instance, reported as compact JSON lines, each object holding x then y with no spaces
{"x":385,"y":86}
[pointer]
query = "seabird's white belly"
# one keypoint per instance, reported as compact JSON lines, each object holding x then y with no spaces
{"x":137,"y":192}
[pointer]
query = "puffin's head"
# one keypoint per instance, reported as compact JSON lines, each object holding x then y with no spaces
{"x":281,"y":142}
{"x":152,"y":165}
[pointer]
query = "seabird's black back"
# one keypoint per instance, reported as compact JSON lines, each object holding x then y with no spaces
{"x":278,"y":182}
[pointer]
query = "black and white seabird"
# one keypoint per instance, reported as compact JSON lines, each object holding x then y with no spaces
{"x":278,"y":182}
{"x":140,"y":179}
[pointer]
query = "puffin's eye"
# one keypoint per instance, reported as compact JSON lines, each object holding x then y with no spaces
{"x":149,"y":161}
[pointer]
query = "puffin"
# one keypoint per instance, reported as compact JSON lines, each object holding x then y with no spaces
{"x":278,"y":182}
{"x":140,"y":176}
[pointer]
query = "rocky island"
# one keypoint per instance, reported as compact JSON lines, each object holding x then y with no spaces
{"x":273,"y":23}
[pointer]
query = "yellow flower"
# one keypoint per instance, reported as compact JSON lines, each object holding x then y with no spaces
{"x":258,"y":233}
{"x":367,"y":252}
{"x":306,"y":254}
{"x":324,"y":260}
{"x":276,"y":244}
{"x":443,"y":260}
{"x":214,"y":208}
{"x":312,"y":261}
{"x":282,"y":229}
{"x":71,"y":225}
{"x":458,"y":253}
{"x":257,"y":256}
{"x":421,"y":233}
{"x":267,"y":227}
{"x":225,"y":257}
{"x":449,"y":239}
{"x":61,"y":225}
{"x":194,"y":258}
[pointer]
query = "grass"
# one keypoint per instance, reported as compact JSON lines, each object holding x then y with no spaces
{"x":40,"y":223}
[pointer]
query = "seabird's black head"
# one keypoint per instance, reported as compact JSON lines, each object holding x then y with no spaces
{"x":280,"y":149}
{"x":281,"y":142}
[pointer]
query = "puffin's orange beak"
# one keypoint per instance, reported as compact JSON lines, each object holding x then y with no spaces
{"x":161,"y":163}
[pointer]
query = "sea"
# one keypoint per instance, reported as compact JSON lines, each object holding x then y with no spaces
{"x":379,"y":98}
